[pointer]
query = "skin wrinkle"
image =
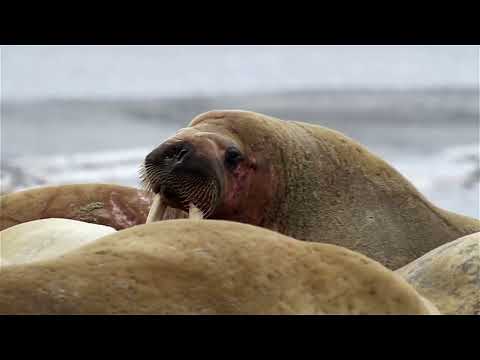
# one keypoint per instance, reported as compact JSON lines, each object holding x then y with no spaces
{"x":14,"y":220}
{"x":48,"y":204}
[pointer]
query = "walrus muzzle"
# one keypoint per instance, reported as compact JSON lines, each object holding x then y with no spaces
{"x":183,"y":177}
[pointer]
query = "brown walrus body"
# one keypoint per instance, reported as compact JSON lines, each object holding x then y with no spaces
{"x":206,"y":267}
{"x":302,"y":180}
{"x":449,"y":276}
{"x":104,"y":204}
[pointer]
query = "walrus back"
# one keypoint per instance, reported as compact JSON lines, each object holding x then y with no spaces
{"x":386,"y":217}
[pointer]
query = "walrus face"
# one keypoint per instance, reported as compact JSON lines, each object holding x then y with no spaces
{"x":195,"y":168}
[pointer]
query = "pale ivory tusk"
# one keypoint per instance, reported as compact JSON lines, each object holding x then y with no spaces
{"x":194,"y":213}
{"x":157,"y":210}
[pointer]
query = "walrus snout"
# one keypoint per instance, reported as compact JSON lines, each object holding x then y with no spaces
{"x":179,"y":158}
{"x":183,"y":173}
{"x":170,"y":154}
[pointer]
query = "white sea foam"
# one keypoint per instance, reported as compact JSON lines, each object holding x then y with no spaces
{"x":446,"y":178}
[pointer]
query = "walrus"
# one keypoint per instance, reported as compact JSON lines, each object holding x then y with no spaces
{"x":111,"y":205}
{"x":302,"y":180}
{"x":206,"y":267}
{"x":449,"y":276}
{"x":104,"y":204}
{"x":46,"y":239}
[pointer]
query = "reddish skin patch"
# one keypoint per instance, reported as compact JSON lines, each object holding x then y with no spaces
{"x":240,"y":182}
{"x":122,"y":215}
{"x":248,"y":192}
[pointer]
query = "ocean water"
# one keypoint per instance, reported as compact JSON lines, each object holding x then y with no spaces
{"x":91,"y":114}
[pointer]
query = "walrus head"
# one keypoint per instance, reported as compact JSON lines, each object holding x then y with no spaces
{"x":208,"y":169}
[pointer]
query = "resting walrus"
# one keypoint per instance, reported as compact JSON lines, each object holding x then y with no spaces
{"x":105,"y":204}
{"x":206,"y":267}
{"x":45,"y":239}
{"x":449,"y":276}
{"x":302,"y":180}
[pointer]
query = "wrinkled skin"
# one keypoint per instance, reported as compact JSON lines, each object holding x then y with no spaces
{"x":206,"y":267}
{"x":316,"y":184}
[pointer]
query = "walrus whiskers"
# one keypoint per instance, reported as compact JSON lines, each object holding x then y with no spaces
{"x":190,"y":190}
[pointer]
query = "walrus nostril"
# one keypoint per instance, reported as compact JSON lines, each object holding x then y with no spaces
{"x":173,"y":153}
{"x":178,"y":152}
{"x":182,"y":153}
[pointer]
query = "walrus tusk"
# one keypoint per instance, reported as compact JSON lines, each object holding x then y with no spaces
{"x":194,"y":213}
{"x":157,"y":210}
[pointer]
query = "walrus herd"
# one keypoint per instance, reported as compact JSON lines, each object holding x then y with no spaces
{"x":285,"y":217}
{"x":206,"y":267}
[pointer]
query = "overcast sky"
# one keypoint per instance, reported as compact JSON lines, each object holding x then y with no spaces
{"x":42,"y":72}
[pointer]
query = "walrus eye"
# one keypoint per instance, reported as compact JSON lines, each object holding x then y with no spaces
{"x":232,"y":156}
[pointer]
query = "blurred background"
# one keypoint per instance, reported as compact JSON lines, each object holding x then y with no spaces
{"x":76,"y":114}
